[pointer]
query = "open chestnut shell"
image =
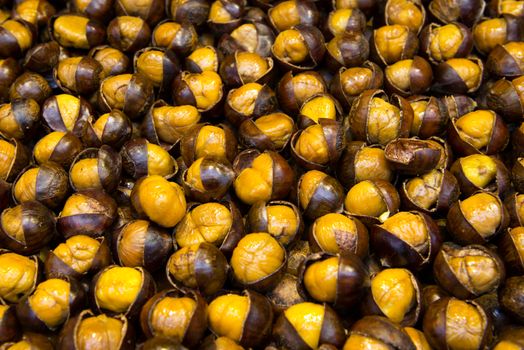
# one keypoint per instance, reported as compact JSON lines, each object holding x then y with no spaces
{"x":128,"y":33}
{"x":16,"y":44}
{"x":57,"y":111}
{"x":9,"y":70}
{"x":142,"y":158}
{"x":392,"y":43}
{"x":511,"y":249}
{"x":409,"y":77}
{"x":96,"y":169}
{"x":319,"y":106}
{"x":47,"y":183}
{"x":14,"y":157}
{"x":442,"y":42}
{"x":112,"y":129}
{"x":202,"y":59}
{"x":378,"y":330}
{"x":411,"y":13}
{"x":515,"y":205}
{"x":504,"y":97}
{"x":20,"y":118}
{"x":484,"y":36}
{"x":269,"y":132}
{"x":459,"y":75}
{"x":204,"y":139}
{"x":349,"y":49}
{"x":412,"y":156}
{"x":239,"y":105}
{"x":30,"y":339}
{"x":341,"y":20}
{"x":510,"y":297}
{"x":261,"y":38}
{"x":225,"y":15}
{"x":505,"y":61}
{"x":58,"y":147}
{"x":242,"y":68}
{"x":207,"y":179}
{"x":187,"y":88}
{"x":194,"y":11}
{"x":319,"y":194}
{"x":294,"y":89}
{"x":464,"y":11}
{"x":179,"y":38}
{"x":26,"y":272}
{"x":78,"y":75}
{"x":151,"y":11}
{"x":158,"y":65}
{"x":429,"y":118}
{"x":76,"y":31}
{"x":286,"y":14}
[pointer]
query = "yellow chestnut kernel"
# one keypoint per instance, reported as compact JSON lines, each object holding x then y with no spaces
{"x":516,"y":50}
{"x":390,"y":41}
{"x":290,"y":46}
{"x":211,"y":141}
{"x":371,"y":164}
{"x":28,"y":11}
{"x":227,"y":314}
{"x":355,"y":80}
{"x":244,"y":98}
{"x":78,"y":252}
{"x":193,"y":175}
{"x":23,"y":35}
{"x":333,"y":47}
{"x":256,"y":256}
{"x":479,"y":169}
{"x":346,"y":4}
{"x":285,"y":15}
{"x":320,"y":280}
{"x":445,"y":42}
{"x":8,"y":124}
{"x":278,"y":127}
{"x":84,"y":174}
{"x":469,"y":71}
{"x":129,"y":27}
{"x":511,"y":7}
{"x":364,"y":198}
{"x":25,"y":187}
{"x":398,"y":74}
{"x":418,"y":338}
{"x":100,"y":124}
{"x":251,"y":66}
{"x":282,"y":222}
{"x":69,"y":108}
{"x":490,"y":33}
{"x":50,"y":302}
{"x":165,"y":33}
{"x":507,"y":345}
{"x":256,"y":183}
{"x":151,"y":64}
{"x":132,"y":242}
{"x":3,"y":309}
{"x":117,"y":288}
{"x":307,"y":319}
{"x":21,"y":345}
{"x":425,"y":190}
{"x":66,"y":71}
{"x":206,"y":58}
{"x":361,"y":342}
{"x":12,"y":223}
{"x":18,"y":276}
{"x":71,"y":31}
{"x":419,"y":109}
{"x":306,"y":85}
{"x":409,"y":227}
{"x":482,"y":211}
{"x":110,"y":57}
{"x":475,"y":128}
{"x":308,"y":185}
{"x":172,"y":122}
{"x":465,"y":326}
{"x":114,"y":90}
{"x":219,"y":14}
{"x":394,"y":293}
{"x":206,"y":88}
{"x":182,"y":265}
{"x":331,"y":228}
{"x":246,"y":36}
{"x":383,"y":122}
{"x":99,"y":333}
{"x":319,"y":107}
{"x":405,"y":12}
{"x":159,"y":161}
{"x":79,"y":204}
{"x":224,"y":343}
{"x":312,"y":145}
{"x":338,"y":20}
{"x":478,"y":273}
{"x":171,"y":317}
{"x":208,"y":222}
{"x":7,"y":156}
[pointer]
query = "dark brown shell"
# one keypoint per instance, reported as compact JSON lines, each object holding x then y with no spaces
{"x":307,"y":12}
{"x":194,"y":11}
{"x":383,"y":330}
{"x":66,"y":150}
{"x":511,"y":297}
{"x":434,"y":121}
{"x":26,"y":113}
{"x":109,"y":166}
{"x":43,"y":57}
{"x":100,"y":10}
{"x":228,"y":45}
{"x":216,"y":176}
{"x":356,"y":23}
{"x":464,"y":11}
{"x":19,"y":162}
{"x":353,"y":47}
{"x":9,"y":70}
{"x":231,"y":77}
{"x":514,"y":205}
{"x":9,"y":46}
{"x":9,"y":326}
{"x":117,"y":131}
{"x":188,"y":143}
{"x":517,"y":175}
{"x":265,"y":103}
{"x":51,"y":113}
{"x":236,"y":9}
{"x":116,"y":38}
{"x":135,"y":157}
{"x":250,"y":136}
{"x":447,"y":80}
{"x":151,"y":13}
{"x":286,"y":92}
{"x":95,"y":31}
{"x":501,"y":63}
{"x":327,"y":198}
{"x":455,"y":106}
{"x":170,"y":66}
{"x":412,"y":156}
{"x":182,"y":94}
{"x":183,"y":42}
{"x":463,"y":50}
{"x":420,"y":79}
{"x":87,"y":77}
{"x":30,"y":85}
{"x":504,"y":98}
{"x":119,"y":67}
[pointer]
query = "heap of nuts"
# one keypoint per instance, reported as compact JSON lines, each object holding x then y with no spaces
{"x":259,"y":174}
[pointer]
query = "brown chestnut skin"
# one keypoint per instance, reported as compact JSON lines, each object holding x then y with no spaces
{"x":490,"y":32}
{"x":141,"y":158}
{"x":432,"y":293}
{"x":78,"y":75}
{"x":27,"y":228}
{"x":398,"y":247}
{"x":511,"y":249}
{"x":455,"y":106}
{"x":515,"y":205}
{"x":477,"y":219}
{"x":151,"y":11}
{"x":30,"y":85}
{"x":14,"y":157}
{"x":393,"y":43}
{"x":511,"y":297}
{"x":33,"y":310}
{"x":113,"y":61}
{"x":319,"y":194}
{"x":442,"y":42}
{"x":177,"y":315}
{"x":413,"y":156}
{"x":254,"y":37}
{"x":205,"y":139}
{"x":178,"y":37}
{"x":17,"y":37}
{"x":459,"y":270}
{"x":429,"y":117}
{"x":459,"y":75}
{"x":158,"y":65}
{"x":517,"y":141}
{"x":311,"y":43}
{"x":294,"y":89}
{"x":79,"y":330}
{"x":319,"y":106}
{"x":142,"y":243}
{"x":464,"y":11}
{"x":446,"y":320}
{"x":409,"y":77}
{"x":207,"y":178}
{"x":58,"y":147}
{"x":96,"y":169}
{"x":194,"y":11}
{"x":268,"y":132}
{"x":239,"y":107}
{"x":350,"y":49}
{"x":43,"y":57}
{"x":58,"y":113}
{"x":290,"y":329}
{"x":19,"y":118}
{"x":76,"y":31}
{"x":112,"y":129}
{"x":9,"y":70}
{"x":204,"y":58}
{"x":9,"y":326}
{"x":207,"y":265}
{"x":287,"y":14}
{"x":128,"y":33}
{"x":504,"y":60}
{"x":225,"y":15}
{"x":242,"y":68}
{"x":344,"y":20}
{"x":189,"y":89}
{"x":77,"y":257}
{"x":89,"y":212}
{"x":504,"y":97}
{"x":100,"y":10}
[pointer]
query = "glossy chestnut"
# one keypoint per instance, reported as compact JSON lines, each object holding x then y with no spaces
{"x":268,"y":132}
{"x":19,"y":119}
{"x":159,"y":65}
{"x":319,"y":194}
{"x":30,"y":85}
{"x":249,"y":101}
{"x":180,"y":38}
{"x":58,"y":147}
{"x":294,"y":89}
{"x":392,"y":43}
{"x":443,"y":42}
{"x":113,"y":61}
{"x":309,"y":51}
{"x":76,"y":31}
{"x":128,"y":33}
{"x":23,"y":272}
{"x":113,"y":129}
{"x":43,"y":57}
{"x":409,"y":77}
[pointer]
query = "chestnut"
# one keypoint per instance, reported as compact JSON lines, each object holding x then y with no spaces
{"x":179,"y":38}
{"x":376,"y":119}
{"x":58,"y":147}
{"x":319,"y":194}
{"x":316,"y":107}
{"x":175,"y":315}
{"x":9,"y":326}
{"x":350,"y":49}
{"x":217,"y":141}
{"x":113,"y":61}
{"x":100,"y":10}
{"x":21,"y":276}
{"x":96,"y":169}
{"x":193,"y":11}
{"x":392,"y":43}
{"x":406,"y":239}
{"x":77,"y":257}
{"x":241,"y":68}
{"x":338,"y":280}
{"x":511,"y":297}
{"x":19,"y":119}
{"x":294,"y":89}
{"x":150,"y":11}
{"x":205,"y":58}
{"x":9,"y":70}
{"x":280,"y":219}
{"x":464,"y":11}
{"x":14,"y":158}
{"x":200,"y":266}
{"x":142,"y":158}
{"x":506,"y":60}
{"x":112,"y":129}
{"x":36,"y":12}
{"x":207,"y":178}
{"x":89,"y":212}
{"x":395,"y":294}
{"x":262,"y":176}
{"x":511,"y":249}
{"x":217,"y":223}
{"x":477,"y":219}
{"x":459,"y":75}
{"x":510,"y":337}
{"x":379,"y":332}
{"x":78,"y":75}
{"x":245,"y":318}
{"x":255,"y":267}
{"x":90,"y":331}
{"x":76,"y":31}
{"x":455,"y":106}
{"x":141,"y":243}
{"x":412,"y":156}
{"x":307,"y":326}
{"x":225,"y":15}
{"x":490,"y":32}
{"x":31,"y":340}
{"x":432,"y":293}
{"x":344,"y":20}
{"x":51,"y":304}
{"x":43,"y":57}
{"x":409,"y":77}
{"x":290,"y":13}
{"x":268,"y":132}
{"x":158,"y":65}
{"x":249,"y":101}
{"x":252,"y":37}
{"x":202,"y":90}
{"x":130,"y":93}
{"x":410,"y":13}
{"x":372,"y":201}
{"x":17,"y":37}
{"x":515,"y":205}
{"x":308,"y":48}
{"x":480,"y":131}
{"x":429,"y":117}
{"x":121,"y":290}
{"x":443,"y":42}
{"x":30,"y":85}
{"x":128,"y":33}
{"x":66,"y":112}
{"x":159,"y":200}
{"x":504,"y":97}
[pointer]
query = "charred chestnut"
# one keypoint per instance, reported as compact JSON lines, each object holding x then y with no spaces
{"x":319,"y":194}
{"x":76,"y":31}
{"x":17,"y":37}
{"x":112,"y":129}
{"x":255,"y":37}
{"x":308,"y":48}
{"x":113,"y":61}
{"x":249,"y":101}
{"x":180,"y":38}
{"x":294,"y":89}
{"x":350,"y":49}
{"x":506,"y":60}
{"x":217,"y":141}
{"x":128,"y":33}
{"x":58,"y":147}
{"x":268,"y":132}
{"x":409,"y":77}
{"x":372,"y":201}
{"x":441,"y":43}
{"x":66,"y":112}
{"x":21,"y":276}
{"x":393,"y":43}
{"x":78,"y":75}
{"x":142,"y":158}
{"x":429,"y":118}
{"x":202,"y":90}
{"x":459,"y":75}
{"x":280,"y":219}
{"x":43,"y":57}
{"x":30,"y":85}
{"x":19,"y":119}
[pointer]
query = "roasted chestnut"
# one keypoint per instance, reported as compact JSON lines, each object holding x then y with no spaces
{"x":66,"y":112}
{"x":511,"y":297}
{"x":372,"y":201}
{"x":441,"y":43}
{"x":51,"y":304}
{"x":515,"y":205}
{"x":200,"y":267}
{"x":477,"y":219}
{"x":100,"y":10}
{"x":429,"y":118}
{"x":319,"y":194}
{"x":141,"y":243}
{"x":58,"y":147}
{"x":9,"y":326}
{"x":258,"y":261}
{"x":280,"y":219}
{"x":128,"y":33}
{"x":202,"y":90}
{"x":244,"y":318}
{"x":42,"y":58}
{"x":510,"y":338}
{"x":459,"y":75}
{"x":393,"y":43}
{"x":269,"y":132}
{"x":287,"y":14}
{"x":142,"y":158}
{"x":78,"y":256}
{"x":36,"y":12}
{"x":30,"y":85}
{"x":308,"y":326}
{"x":207,"y":178}
{"x":96,"y":169}
{"x":262,"y":176}
{"x":113,"y":61}
{"x":406,"y":239}
{"x":511,"y":249}
{"x":255,"y":37}
{"x":299,"y":48}
{"x":350,"y":49}
{"x":19,"y":119}
{"x":504,"y":97}
{"x":21,"y":274}
{"x":225,"y":15}
{"x":374,"y":119}
{"x":506,"y":60}
{"x":517,"y":141}
{"x":410,"y":13}
{"x":320,"y":106}
{"x":294,"y":90}
{"x":413,"y":156}
{"x":217,"y":141}
{"x":112,"y":129}
{"x":89,"y":212}
{"x":203,"y":59}
{"x":409,"y":77}
{"x":151,"y":11}
{"x":159,"y":200}
{"x":345,"y":20}
{"x":76,"y":31}
{"x":245,"y":67}
{"x":194,"y":11}
{"x":17,"y":37}
{"x":490,"y":32}
{"x":78,"y":75}
{"x":249,"y":101}
{"x":464,"y":11}
{"x":158,"y":65}
{"x":31,"y":340}
{"x":180,"y":38}
{"x":175,"y":315}
{"x":121,"y":290}
{"x":9,"y":71}
{"x":14,"y":158}
{"x":90,"y":331}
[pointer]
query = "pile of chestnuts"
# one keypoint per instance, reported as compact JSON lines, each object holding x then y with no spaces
{"x":262,"y":174}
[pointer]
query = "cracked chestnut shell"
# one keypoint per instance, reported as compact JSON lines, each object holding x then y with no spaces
{"x":342,"y":20}
{"x":319,"y":106}
{"x":464,"y":11}
{"x":442,"y":42}
{"x":58,"y":147}
{"x":66,"y":112}
{"x":142,"y":158}
{"x":249,"y":101}
{"x":180,"y":38}
{"x":459,"y":75}
{"x":17,"y":36}
{"x":27,"y":228}
{"x":42,"y":58}
{"x":203,"y":90}
{"x":201,"y":267}
{"x":505,"y":60}
{"x":409,"y":77}
{"x":350,"y":49}
{"x":490,"y":32}
{"x":207,"y":178}
{"x":76,"y":31}
{"x":511,"y":297}
{"x":128,"y":33}
{"x":30,"y":85}
{"x":319,"y":194}
{"x":159,"y":65}
{"x":194,"y":11}
{"x":392,"y":43}
{"x":14,"y":157}
{"x":36,"y":12}
{"x":78,"y":75}
{"x":225,"y":15}
{"x":241,"y":68}
{"x":268,"y":132}
{"x":287,"y":14}
{"x":96,"y":169}
{"x":113,"y":61}
{"x":204,"y":139}
{"x":294,"y":89}
{"x":22,"y":273}
{"x":254,"y":37}
{"x":112,"y":129}
{"x":100,"y":10}
{"x":308,"y":52}
{"x":429,"y":118}
{"x":412,"y":156}
{"x":19,"y":119}
{"x":505,"y":97}
{"x":89,"y":212}
{"x":204,"y":58}
{"x":410,"y":13}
